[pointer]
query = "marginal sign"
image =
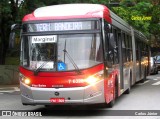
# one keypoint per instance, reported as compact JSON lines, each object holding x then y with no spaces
{"x":44,"y":39}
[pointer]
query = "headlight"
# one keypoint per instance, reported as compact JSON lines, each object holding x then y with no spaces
{"x":91,"y":80}
{"x":27,"y":81}
{"x":24,"y":79}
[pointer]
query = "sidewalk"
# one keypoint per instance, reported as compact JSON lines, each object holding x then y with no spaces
{"x":9,"y":88}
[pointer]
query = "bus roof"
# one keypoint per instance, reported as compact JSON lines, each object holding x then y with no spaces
{"x":70,"y":11}
{"x":78,"y":11}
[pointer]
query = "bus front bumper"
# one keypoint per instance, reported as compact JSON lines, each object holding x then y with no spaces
{"x":91,"y":94}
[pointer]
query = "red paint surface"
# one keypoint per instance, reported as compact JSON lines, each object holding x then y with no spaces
{"x":60,"y":79}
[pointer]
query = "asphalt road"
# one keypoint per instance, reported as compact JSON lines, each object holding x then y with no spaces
{"x":144,"y":99}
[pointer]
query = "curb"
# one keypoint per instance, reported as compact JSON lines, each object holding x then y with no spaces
{"x":9,"y":88}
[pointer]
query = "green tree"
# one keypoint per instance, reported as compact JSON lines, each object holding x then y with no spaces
{"x":12,"y":11}
{"x":7,"y":14}
{"x":130,"y":9}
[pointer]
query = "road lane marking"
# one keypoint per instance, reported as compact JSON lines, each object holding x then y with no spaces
{"x":143,"y":83}
{"x":157,"y":83}
{"x":155,"y":79}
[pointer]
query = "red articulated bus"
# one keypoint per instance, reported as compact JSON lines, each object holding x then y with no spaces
{"x":79,"y":54}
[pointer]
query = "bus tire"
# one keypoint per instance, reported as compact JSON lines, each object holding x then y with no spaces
{"x":156,"y":71}
{"x":145,"y":75}
{"x":111,"y":104}
{"x":24,"y":104}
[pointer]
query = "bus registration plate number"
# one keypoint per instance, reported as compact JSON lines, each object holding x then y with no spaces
{"x":57,"y":100}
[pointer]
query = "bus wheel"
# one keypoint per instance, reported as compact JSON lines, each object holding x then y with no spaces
{"x":115,"y":96}
{"x":111,"y":104}
{"x":145,"y":75}
{"x":128,"y":90}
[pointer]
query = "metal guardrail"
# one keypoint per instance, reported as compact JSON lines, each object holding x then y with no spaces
{"x":9,"y":74}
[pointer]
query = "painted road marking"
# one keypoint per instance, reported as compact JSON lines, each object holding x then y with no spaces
{"x":157,"y":83}
{"x":143,"y":83}
{"x":158,"y":77}
{"x":155,"y":79}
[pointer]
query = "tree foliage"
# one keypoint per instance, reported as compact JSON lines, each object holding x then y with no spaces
{"x":132,"y":9}
{"x":6,"y":19}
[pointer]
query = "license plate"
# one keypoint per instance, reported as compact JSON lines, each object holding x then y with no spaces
{"x":57,"y":100}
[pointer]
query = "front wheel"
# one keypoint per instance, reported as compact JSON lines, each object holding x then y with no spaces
{"x":115,"y":95}
{"x":156,"y":71}
{"x":110,"y":104}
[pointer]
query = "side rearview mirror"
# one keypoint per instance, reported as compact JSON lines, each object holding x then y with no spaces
{"x":12,"y":34}
{"x":107,"y":27}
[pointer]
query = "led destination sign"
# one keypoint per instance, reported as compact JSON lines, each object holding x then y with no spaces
{"x":62,"y":26}
{"x":68,"y":26}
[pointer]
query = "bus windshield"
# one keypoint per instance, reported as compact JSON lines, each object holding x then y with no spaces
{"x":48,"y":51}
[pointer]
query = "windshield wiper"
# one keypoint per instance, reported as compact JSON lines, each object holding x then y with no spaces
{"x":72,"y":61}
{"x":40,"y":67}
{"x":69,"y":57}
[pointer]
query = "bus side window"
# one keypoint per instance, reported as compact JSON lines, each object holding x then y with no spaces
{"x":111,"y":48}
{"x":137,"y":49}
{"x":116,"y":56}
{"x":106,"y":54}
{"x":127,"y":48}
{"x":124,"y":47}
{"x":130,"y":47}
{"x":25,"y":53}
